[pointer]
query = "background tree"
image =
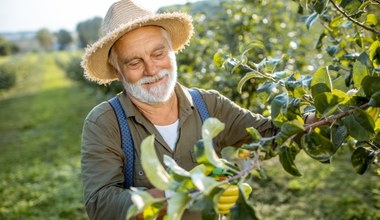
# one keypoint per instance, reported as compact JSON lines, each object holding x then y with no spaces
{"x":89,"y":31}
{"x":64,"y":39}
{"x":45,"y":38}
{"x":7,"y":48}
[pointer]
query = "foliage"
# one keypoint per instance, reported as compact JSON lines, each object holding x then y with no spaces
{"x":74,"y":71}
{"x":343,"y":94}
{"x":40,"y":142}
{"x":7,"y":76}
{"x":45,"y":39}
{"x":63,"y":39}
{"x":241,"y":27}
{"x":14,"y":70}
{"x":88,"y":31}
{"x":7,"y":48}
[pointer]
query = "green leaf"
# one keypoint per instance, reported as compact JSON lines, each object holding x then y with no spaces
{"x":340,"y":84}
{"x":373,"y":112}
{"x":321,"y":82}
{"x":177,"y":205}
{"x":351,"y":6}
{"x":204,"y":183}
{"x":287,"y":157}
{"x":377,"y":138}
{"x":179,"y":174}
{"x":338,"y":135}
{"x":374,"y":52}
{"x":359,"y":125}
{"x":375,"y":100}
{"x":153,"y":168}
{"x":319,"y":6}
{"x":318,"y":147}
{"x":319,"y":43}
{"x":311,"y":19}
{"x":247,"y":76}
{"x":371,"y":20}
{"x":210,"y":129}
{"x":254,"y":133}
{"x":359,"y":72}
{"x":332,"y":50}
{"x":172,"y":164}
{"x":326,"y":103}
{"x":278,"y":109}
{"x":288,"y":130}
{"x":219,"y":59}
{"x":370,"y":85}
{"x":362,"y":158}
{"x":365,"y":59}
{"x":295,"y":85}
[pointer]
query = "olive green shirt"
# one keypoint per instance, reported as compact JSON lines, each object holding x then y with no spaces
{"x":102,"y":158}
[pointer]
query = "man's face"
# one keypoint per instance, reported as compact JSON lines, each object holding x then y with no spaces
{"x":147,"y":64}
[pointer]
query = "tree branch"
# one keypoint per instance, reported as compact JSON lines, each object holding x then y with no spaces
{"x":353,"y":20}
{"x":332,"y":118}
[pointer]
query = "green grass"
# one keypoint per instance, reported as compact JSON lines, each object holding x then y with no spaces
{"x":325,"y":191}
{"x":41,"y":120}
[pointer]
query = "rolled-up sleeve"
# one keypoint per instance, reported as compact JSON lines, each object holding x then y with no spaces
{"x":236,"y":120}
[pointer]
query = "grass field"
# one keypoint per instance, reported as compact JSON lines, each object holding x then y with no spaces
{"x":40,"y":129}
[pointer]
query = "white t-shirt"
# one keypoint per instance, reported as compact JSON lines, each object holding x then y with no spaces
{"x":169,"y":133}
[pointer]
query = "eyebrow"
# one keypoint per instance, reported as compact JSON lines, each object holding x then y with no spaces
{"x":159,"y":47}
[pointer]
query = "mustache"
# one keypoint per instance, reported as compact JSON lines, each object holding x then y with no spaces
{"x":151,"y":79}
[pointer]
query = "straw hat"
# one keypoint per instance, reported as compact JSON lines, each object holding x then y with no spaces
{"x":124,"y":16}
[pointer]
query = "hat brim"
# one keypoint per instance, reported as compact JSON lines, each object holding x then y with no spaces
{"x":95,"y":59}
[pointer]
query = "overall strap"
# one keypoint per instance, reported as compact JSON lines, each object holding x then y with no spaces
{"x":126,"y":137}
{"x":199,"y":103}
{"x":126,"y":141}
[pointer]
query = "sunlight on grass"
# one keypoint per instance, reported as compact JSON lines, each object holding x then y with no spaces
{"x":41,"y":121}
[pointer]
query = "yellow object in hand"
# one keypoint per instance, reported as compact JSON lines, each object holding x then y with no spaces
{"x":230,"y":196}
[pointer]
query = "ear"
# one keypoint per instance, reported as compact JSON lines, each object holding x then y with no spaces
{"x":118,"y":76}
{"x":114,"y":70}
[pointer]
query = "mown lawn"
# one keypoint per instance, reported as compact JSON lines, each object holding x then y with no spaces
{"x":40,"y":129}
{"x":41,"y":120}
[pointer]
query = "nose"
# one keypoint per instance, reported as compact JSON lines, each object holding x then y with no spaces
{"x":150,"y":67}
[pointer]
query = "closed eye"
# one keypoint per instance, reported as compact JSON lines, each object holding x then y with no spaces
{"x":159,"y":54}
{"x":134,"y":64}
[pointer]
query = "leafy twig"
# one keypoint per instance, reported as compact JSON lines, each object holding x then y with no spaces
{"x":374,"y":147}
{"x":247,"y":169}
{"x":332,"y":118}
{"x":353,"y":20}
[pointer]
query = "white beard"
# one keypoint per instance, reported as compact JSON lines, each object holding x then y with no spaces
{"x":157,"y":94}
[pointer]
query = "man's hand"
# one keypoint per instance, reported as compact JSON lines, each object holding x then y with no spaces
{"x":230,"y":195}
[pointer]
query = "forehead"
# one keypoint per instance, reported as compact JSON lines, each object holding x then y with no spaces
{"x":142,"y":37}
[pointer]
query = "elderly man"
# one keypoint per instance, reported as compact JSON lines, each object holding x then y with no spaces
{"x":138,"y":48}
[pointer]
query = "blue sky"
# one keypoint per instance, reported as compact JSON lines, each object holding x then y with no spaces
{"x":32,"y":15}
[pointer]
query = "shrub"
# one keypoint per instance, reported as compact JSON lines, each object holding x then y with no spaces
{"x":7,"y":76}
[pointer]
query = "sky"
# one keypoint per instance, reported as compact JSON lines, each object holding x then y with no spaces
{"x":32,"y":15}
